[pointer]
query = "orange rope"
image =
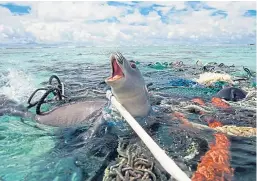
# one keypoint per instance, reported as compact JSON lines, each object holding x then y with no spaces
{"x":215,"y":124}
{"x":219,"y":103}
{"x":215,"y":101}
{"x":215,"y":164}
{"x":182,"y":118}
{"x":198,"y":101}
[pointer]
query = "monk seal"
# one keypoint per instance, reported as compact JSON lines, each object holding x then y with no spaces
{"x":231,"y":94}
{"x":127,"y":85}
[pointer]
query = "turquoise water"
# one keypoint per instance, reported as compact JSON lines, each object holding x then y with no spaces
{"x":24,"y":149}
{"x":37,"y":64}
{"x":29,"y":58}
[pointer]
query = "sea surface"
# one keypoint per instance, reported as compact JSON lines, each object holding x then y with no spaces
{"x":24,"y":147}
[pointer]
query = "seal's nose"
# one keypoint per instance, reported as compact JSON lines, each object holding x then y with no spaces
{"x":119,"y":57}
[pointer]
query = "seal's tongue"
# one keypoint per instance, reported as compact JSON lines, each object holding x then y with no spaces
{"x":116,"y":71}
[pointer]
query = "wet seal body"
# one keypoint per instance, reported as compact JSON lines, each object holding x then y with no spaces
{"x":128,"y":87}
{"x":231,"y":94}
{"x":70,"y":114}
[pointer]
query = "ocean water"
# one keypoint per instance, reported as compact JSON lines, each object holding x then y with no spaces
{"x":24,"y":148}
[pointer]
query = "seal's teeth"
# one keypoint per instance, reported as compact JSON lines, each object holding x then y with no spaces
{"x":116,"y":77}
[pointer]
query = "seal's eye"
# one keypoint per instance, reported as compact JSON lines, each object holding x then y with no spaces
{"x":132,"y":64}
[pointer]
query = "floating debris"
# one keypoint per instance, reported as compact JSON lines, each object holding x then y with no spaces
{"x":210,"y":78}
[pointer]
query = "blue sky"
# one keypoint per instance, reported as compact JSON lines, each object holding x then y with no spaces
{"x":16,"y":9}
{"x":128,"y":23}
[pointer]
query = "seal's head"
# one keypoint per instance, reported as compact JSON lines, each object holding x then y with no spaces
{"x":128,"y":86}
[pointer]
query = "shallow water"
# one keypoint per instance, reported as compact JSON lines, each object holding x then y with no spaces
{"x":26,"y":150}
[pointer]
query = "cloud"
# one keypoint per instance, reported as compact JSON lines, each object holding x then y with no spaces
{"x":127,"y":23}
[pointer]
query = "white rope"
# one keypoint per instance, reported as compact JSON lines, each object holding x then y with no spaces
{"x":197,"y":108}
{"x":167,"y":163}
{"x":250,"y":95}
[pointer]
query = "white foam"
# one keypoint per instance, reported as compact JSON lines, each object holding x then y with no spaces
{"x":17,"y":85}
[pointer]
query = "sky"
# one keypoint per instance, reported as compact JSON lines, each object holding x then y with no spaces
{"x":128,"y":23}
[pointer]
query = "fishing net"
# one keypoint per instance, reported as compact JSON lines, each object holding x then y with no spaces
{"x":187,"y":109}
{"x":134,"y":162}
{"x":200,"y":109}
{"x":190,"y":134}
{"x":206,"y":120}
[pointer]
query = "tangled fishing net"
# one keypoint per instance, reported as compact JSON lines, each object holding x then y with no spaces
{"x":133,"y":163}
{"x":208,"y":78}
{"x":203,"y":110}
{"x":195,"y":105}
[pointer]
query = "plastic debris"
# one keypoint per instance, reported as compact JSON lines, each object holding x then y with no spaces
{"x":210,"y":78}
{"x":158,"y":66}
{"x":184,"y":82}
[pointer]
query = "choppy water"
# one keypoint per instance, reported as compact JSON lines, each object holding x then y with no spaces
{"x":24,"y":150}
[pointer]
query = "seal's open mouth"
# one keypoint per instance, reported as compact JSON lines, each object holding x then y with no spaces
{"x":117,"y":72}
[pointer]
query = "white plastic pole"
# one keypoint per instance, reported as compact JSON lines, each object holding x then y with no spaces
{"x":62,"y":88}
{"x":167,"y":163}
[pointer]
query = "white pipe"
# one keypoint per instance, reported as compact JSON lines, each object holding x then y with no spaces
{"x":167,"y":163}
{"x":62,"y":88}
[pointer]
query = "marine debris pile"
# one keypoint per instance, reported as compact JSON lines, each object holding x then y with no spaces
{"x":191,"y":96}
{"x":213,"y":97}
